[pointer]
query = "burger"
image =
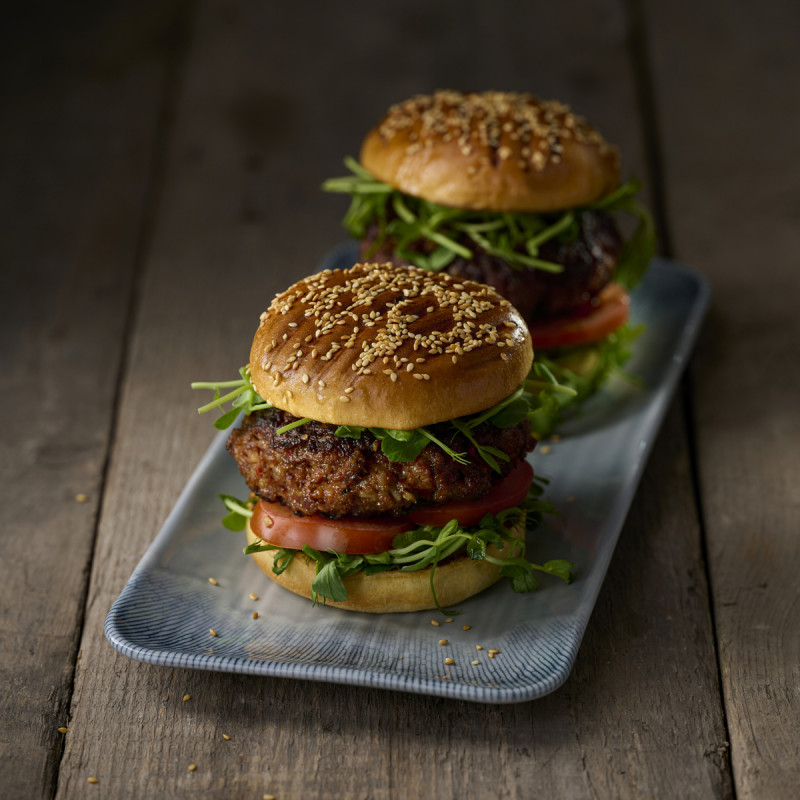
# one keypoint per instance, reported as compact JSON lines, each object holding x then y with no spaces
{"x":384,"y":440}
{"x":520,"y":194}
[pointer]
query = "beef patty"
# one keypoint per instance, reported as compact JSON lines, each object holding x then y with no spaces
{"x":589,"y":262}
{"x":313,"y":471}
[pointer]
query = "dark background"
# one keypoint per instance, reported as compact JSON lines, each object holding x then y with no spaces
{"x":160,"y":165}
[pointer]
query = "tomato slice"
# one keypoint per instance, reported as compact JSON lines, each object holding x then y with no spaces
{"x":611,"y":313}
{"x":510,"y":492}
{"x":277,"y":525}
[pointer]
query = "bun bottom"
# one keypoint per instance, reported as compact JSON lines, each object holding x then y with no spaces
{"x":394,"y":591}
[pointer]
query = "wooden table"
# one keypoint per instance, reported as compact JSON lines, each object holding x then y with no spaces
{"x":160,"y":175}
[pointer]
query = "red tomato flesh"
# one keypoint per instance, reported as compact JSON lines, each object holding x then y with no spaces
{"x":277,"y":525}
{"x":611,"y":313}
{"x":510,"y":492}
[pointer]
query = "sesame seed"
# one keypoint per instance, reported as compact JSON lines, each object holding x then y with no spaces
{"x":255,"y":615}
{"x":226,"y":737}
{"x":475,"y":662}
{"x":491,"y":655}
{"x":81,"y":498}
{"x":213,"y":632}
{"x":449,"y":619}
{"x":92,"y":779}
{"x":344,"y":398}
{"x":292,"y":324}
{"x":213,"y":581}
{"x":349,"y":390}
{"x":268,"y":521}
{"x":479,"y":647}
{"x":545,"y":449}
{"x":466,"y":627}
{"x":62,"y":730}
{"x":435,"y":623}
{"x":186,"y":698}
{"x":449,"y":661}
{"x":443,"y":641}
{"x":393,"y":376}
{"x":306,"y":379}
{"x":253,"y":596}
{"x":192,"y":767}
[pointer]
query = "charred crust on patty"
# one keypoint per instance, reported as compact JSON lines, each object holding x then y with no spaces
{"x":312,"y":471}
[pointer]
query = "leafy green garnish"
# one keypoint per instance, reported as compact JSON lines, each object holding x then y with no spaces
{"x":405,"y":446}
{"x":243,"y":397}
{"x":422,"y":547}
{"x":239,"y":512}
{"x":427,"y":546}
{"x":405,"y":221}
{"x":581,"y":370}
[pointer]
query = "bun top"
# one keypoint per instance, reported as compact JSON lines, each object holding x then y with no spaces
{"x":388,"y":347}
{"x":491,"y":151}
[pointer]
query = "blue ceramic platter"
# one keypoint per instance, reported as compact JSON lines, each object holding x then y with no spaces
{"x":165,"y":611}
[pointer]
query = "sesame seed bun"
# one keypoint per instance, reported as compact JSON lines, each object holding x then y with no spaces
{"x":388,"y":347}
{"x":395,"y":591}
{"x":491,"y":151}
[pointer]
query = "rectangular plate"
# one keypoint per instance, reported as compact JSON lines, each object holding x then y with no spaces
{"x":165,"y":611}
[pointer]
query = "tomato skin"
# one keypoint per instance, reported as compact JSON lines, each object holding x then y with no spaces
{"x":610,"y":314}
{"x":276,"y":524}
{"x":510,"y":492}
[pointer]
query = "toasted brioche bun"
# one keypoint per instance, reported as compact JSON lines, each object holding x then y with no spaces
{"x":388,"y":347}
{"x":394,"y":591}
{"x":491,"y":151}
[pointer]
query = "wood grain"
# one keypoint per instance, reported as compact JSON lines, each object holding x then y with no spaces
{"x":730,"y":105}
{"x":80,"y":95}
{"x":269,"y":105}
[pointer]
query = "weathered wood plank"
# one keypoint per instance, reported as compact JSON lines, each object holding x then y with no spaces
{"x":80,"y":95}
{"x":730,"y":104}
{"x":269,"y":106}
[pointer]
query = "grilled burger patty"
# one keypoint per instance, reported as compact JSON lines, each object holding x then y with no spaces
{"x":589,"y":263}
{"x":313,"y":471}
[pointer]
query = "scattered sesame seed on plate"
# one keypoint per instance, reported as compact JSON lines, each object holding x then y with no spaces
{"x":479,"y":647}
{"x":466,"y":627}
{"x":213,"y":581}
{"x":449,"y":661}
{"x":253,"y":596}
{"x":449,"y":619}
{"x":186,"y":698}
{"x":62,"y":730}
{"x":192,"y":767}
{"x":435,"y":623}
{"x":255,"y":615}
{"x":476,"y":662}
{"x":213,"y":632}
{"x":226,"y":737}
{"x":92,"y":779}
{"x":443,"y":641}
